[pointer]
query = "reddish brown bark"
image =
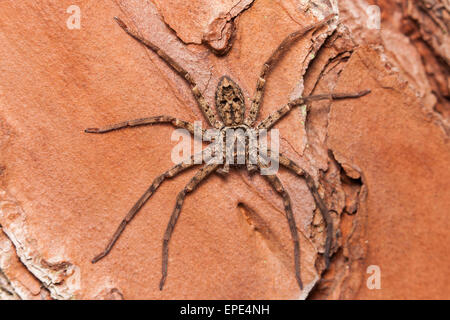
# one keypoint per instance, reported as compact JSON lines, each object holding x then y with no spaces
{"x":382,"y":160}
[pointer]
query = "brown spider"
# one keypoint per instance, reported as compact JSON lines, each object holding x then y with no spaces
{"x":231,"y":109}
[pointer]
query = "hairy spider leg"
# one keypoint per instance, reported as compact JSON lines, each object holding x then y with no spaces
{"x":271,"y":62}
{"x":273,"y":118}
{"x":276,"y":184}
{"x":320,"y":203}
{"x":201,"y":175}
{"x":180,"y":167}
{"x":204,"y":106}
{"x":177,"y":123}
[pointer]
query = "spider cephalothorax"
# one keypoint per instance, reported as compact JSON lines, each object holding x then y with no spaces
{"x":231,"y":110}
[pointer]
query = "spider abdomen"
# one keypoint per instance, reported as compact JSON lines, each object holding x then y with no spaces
{"x":230,"y":102}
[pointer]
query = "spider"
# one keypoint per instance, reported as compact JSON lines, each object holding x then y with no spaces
{"x":230,"y":107}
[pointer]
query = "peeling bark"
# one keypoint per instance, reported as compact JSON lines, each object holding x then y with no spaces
{"x":381,"y":162}
{"x":61,"y":278}
{"x":198,"y":22}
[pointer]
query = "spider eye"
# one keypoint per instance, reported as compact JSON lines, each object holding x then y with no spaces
{"x":236,"y":99}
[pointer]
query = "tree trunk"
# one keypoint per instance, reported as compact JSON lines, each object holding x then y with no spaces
{"x":381,"y":162}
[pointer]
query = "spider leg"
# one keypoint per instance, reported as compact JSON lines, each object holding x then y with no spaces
{"x":180,"y":167}
{"x":204,"y":106}
{"x":201,"y":175}
{"x":270,"y":121}
{"x":331,"y":96}
{"x":276,"y":184}
{"x":224,"y":170}
{"x":295,"y":168}
{"x":270,"y":63}
{"x":145,"y":121}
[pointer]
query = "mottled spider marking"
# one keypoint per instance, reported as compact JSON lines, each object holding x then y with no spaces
{"x":207,"y":110}
{"x":230,"y":103}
